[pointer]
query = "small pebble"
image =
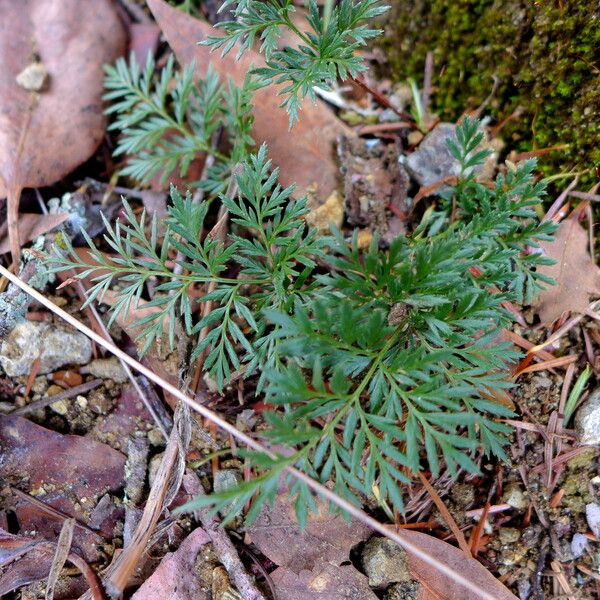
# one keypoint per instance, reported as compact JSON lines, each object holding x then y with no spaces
{"x":106,"y":368}
{"x":54,"y":389}
{"x":384,"y":562}
{"x":515,"y":497}
{"x":509,"y":535}
{"x":587,"y":421}
{"x":579,"y":543}
{"x":592,"y":514}
{"x":155,"y":437}
{"x":33,"y":77}
{"x":81,"y":402}
{"x":60,"y":407}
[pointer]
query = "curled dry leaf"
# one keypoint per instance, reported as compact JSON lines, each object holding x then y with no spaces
{"x":24,"y":560}
{"x":309,"y":160}
{"x":576,"y":275}
{"x":45,"y":134}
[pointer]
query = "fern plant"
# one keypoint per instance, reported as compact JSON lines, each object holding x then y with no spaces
{"x":327,"y":49}
{"x":168,"y":121}
{"x":274,"y":265}
{"x":378,"y":363}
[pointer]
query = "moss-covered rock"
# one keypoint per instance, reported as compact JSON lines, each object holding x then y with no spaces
{"x":546,"y":55}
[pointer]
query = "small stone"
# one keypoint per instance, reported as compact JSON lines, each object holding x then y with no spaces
{"x":155,"y":437}
{"x":587,"y":421}
{"x":60,"y":407}
{"x":509,"y":535}
{"x":226,"y":479}
{"x":579,"y":543}
{"x":592,"y":515}
{"x":515,"y":497}
{"x":107,"y":368}
{"x":407,"y":590}
{"x":40,"y":385}
{"x":414,"y":137}
{"x":463,"y":494}
{"x":53,"y":344}
{"x":384,"y":562}
{"x":54,"y":389}
{"x":432,"y":161}
{"x":33,"y":77}
{"x":100,"y":402}
{"x":81,"y":402}
{"x":330,"y":212}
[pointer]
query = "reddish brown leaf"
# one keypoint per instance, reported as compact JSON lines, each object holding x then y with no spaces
{"x":143,"y":40}
{"x":326,"y":537}
{"x":324,"y":582}
{"x":437,"y":586}
{"x":30,"y":226}
{"x":303,"y":556}
{"x":175,"y":577}
{"x":576,"y":275}
{"x":126,"y":320}
{"x":33,"y":564}
{"x":308,"y":161}
{"x":61,"y":470}
{"x":123,"y":421}
{"x":47,"y":130}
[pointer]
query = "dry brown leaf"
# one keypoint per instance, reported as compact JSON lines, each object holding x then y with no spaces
{"x":576,"y":275}
{"x":327,"y":537}
{"x":126,"y":320}
{"x":437,"y":586}
{"x":305,"y":156}
{"x":175,"y":577}
{"x":91,"y":470}
{"x":45,"y":134}
{"x":303,"y":557}
{"x":28,"y":560}
{"x":324,"y":582}
{"x":30,"y":226}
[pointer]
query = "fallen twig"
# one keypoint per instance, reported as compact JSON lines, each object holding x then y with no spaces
{"x":165,"y":486}
{"x":458,"y":534}
{"x":47,"y":400}
{"x":61,"y":554}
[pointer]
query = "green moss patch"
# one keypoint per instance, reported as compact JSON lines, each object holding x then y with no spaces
{"x":545,"y":54}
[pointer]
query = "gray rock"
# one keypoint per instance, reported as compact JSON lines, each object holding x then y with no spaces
{"x":432,"y":160}
{"x":54,"y":345}
{"x":587,"y":421}
{"x":225,"y":479}
{"x":107,"y":368}
{"x":408,"y":590}
{"x":509,"y":535}
{"x":384,"y":562}
{"x":592,"y":515}
{"x":515,"y":497}
{"x":579,"y":544}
